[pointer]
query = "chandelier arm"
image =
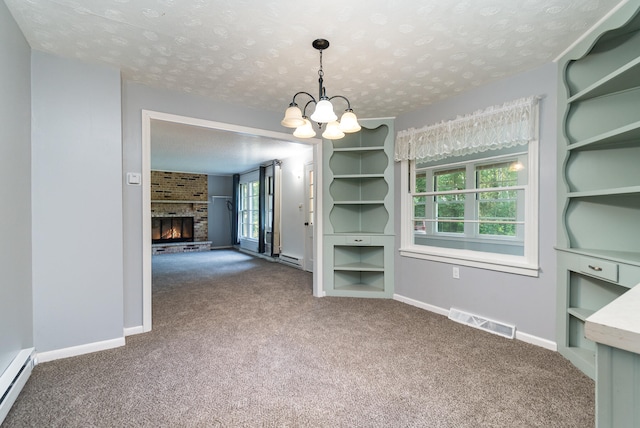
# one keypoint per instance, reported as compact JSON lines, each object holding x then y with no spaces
{"x":304,"y":111}
{"x":299,"y":93}
{"x":344,"y":98}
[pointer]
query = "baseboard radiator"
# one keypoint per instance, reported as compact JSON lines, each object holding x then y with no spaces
{"x":13,"y":379}
{"x":476,"y":321}
{"x":291,"y":261}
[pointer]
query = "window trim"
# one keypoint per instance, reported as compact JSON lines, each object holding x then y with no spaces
{"x":249,"y":184}
{"x":527,"y":265}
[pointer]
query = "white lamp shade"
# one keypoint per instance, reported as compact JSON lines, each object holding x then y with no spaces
{"x":324,"y":112}
{"x":333,"y":132}
{"x":349,"y":122}
{"x":292,"y":117}
{"x":305,"y":131}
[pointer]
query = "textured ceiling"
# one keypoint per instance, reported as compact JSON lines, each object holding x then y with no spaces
{"x":189,"y":148}
{"x":386,"y":56}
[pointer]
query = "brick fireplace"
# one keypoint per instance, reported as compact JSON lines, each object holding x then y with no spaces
{"x":176,"y":195}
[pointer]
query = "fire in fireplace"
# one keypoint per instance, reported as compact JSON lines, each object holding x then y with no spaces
{"x":171,"y":229}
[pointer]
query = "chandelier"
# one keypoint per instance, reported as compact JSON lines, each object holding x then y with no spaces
{"x":323,"y":113}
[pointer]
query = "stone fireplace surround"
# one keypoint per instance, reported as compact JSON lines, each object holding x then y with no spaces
{"x":177,"y":194}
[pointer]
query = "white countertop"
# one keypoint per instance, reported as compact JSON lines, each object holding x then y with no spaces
{"x":617,"y":324}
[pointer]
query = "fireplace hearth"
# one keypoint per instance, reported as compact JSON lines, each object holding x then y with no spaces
{"x":171,"y":230}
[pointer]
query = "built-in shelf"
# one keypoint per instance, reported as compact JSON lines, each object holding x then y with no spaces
{"x":356,"y":202}
{"x":629,"y":190}
{"x":581,"y":313}
{"x":629,"y":257}
{"x":628,"y":132}
{"x":171,"y":201}
{"x":625,"y":77}
{"x":358,"y":288}
{"x":359,"y":267}
{"x":352,"y":176}
{"x":632,"y":258}
{"x":358,"y":149}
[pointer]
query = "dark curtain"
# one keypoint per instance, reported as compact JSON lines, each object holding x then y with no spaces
{"x":236,"y":205}
{"x":262,"y":206}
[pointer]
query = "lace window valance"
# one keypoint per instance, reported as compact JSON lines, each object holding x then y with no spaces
{"x":511,"y":124}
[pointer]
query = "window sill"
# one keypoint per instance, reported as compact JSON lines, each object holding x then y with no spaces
{"x":498,"y":262}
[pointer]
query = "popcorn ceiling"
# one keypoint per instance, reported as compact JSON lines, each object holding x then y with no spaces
{"x":387,"y":57}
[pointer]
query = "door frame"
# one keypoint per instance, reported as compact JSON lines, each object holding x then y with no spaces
{"x":309,"y":167}
{"x":147,"y":117}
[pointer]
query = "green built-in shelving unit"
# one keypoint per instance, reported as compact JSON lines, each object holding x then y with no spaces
{"x":358,"y":212}
{"x":599,"y":178}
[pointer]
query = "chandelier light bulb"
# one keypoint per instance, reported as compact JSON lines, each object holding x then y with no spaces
{"x":349,"y":122}
{"x":333,"y":131}
{"x":324,"y":112}
{"x":305,"y":131}
{"x":292,"y":117}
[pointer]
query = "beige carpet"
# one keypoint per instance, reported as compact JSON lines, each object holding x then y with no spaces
{"x":241,"y":342}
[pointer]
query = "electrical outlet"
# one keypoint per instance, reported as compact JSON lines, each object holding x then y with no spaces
{"x":456,"y":272}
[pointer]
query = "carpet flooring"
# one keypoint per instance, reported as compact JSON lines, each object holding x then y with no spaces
{"x":241,"y":342}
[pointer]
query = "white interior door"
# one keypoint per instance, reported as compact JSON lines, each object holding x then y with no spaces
{"x":309,"y":214}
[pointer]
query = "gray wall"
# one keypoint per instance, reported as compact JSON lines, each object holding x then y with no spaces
{"x":527,"y":302}
{"x":77,"y":203}
{"x":219,"y":216}
{"x":16,"y":331}
{"x":137,"y":97}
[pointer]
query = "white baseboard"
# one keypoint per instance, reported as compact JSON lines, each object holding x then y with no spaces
{"x":538,"y":341}
{"x":524,"y":337}
{"x":80,"y":350}
{"x":418,"y":304}
{"x":130,"y":331}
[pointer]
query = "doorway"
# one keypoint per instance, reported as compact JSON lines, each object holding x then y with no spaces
{"x":147,"y":118}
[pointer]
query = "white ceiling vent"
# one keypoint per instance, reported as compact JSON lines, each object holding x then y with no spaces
{"x":495,"y":327}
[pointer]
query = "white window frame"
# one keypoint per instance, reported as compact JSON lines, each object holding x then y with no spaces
{"x":249,"y":209}
{"x":523,"y":265}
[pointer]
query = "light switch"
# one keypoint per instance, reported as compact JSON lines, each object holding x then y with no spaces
{"x":134,"y":178}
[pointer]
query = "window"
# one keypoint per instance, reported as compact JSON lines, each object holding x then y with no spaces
{"x":497,"y":204}
{"x":249,"y":194}
{"x":449,"y":206}
{"x":471,"y":193}
{"x":473,"y":209}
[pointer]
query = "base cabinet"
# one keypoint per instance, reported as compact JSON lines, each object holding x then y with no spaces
{"x":359,"y":266}
{"x":617,"y":388}
{"x":587,"y":284}
{"x":615,"y":329}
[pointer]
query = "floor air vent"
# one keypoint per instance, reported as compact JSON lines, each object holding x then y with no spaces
{"x":495,"y":327}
